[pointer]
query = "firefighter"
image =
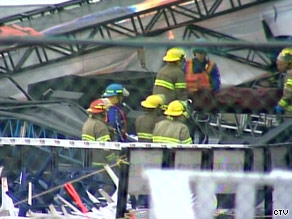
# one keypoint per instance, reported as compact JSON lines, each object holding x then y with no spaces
{"x":172,"y":129}
{"x":201,"y":72}
{"x":153,"y":106}
{"x":95,"y":127}
{"x":284,"y":64}
{"x":116,"y":116}
{"x":170,"y":80}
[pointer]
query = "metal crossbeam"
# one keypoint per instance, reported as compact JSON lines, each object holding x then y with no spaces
{"x":254,"y":57}
{"x":144,"y":23}
{"x":11,"y":127}
{"x":35,"y":14}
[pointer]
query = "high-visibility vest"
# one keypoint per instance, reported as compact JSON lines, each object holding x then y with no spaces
{"x":197,"y":81}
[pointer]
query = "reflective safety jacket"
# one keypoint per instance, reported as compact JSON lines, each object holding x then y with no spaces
{"x":286,"y":100}
{"x":201,"y":75}
{"x":171,"y":131}
{"x":95,"y":130}
{"x":170,"y":81}
{"x":145,"y":124}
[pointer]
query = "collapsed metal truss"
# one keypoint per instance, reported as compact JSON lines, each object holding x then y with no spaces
{"x":224,"y":128}
{"x":11,"y":127}
{"x":254,"y":57}
{"x":38,"y":13}
{"x":150,"y":22}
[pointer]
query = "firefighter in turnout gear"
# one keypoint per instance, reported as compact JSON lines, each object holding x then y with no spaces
{"x":284,"y":64}
{"x":173,"y":130}
{"x":201,"y":72}
{"x":153,"y":106}
{"x":95,"y":127}
{"x":116,"y":116}
{"x":170,"y":80}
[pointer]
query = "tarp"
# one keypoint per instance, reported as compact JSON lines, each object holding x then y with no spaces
{"x":15,"y":30}
{"x":237,"y":100}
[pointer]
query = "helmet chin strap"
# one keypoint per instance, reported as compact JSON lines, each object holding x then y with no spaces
{"x":113,"y":99}
{"x":105,"y":118}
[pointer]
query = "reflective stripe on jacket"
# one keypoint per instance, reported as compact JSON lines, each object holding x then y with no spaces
{"x":286,"y":100}
{"x":145,"y":124}
{"x":170,"y":81}
{"x":95,"y":130}
{"x":172,"y":132}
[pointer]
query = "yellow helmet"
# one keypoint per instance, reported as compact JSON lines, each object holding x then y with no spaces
{"x":286,"y":54}
{"x":153,"y":101}
{"x":175,"y":108}
{"x":174,"y":54}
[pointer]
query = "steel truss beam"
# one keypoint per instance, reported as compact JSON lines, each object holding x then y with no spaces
{"x":11,"y":127}
{"x":145,"y":23}
{"x":254,"y":57}
{"x":46,"y":10}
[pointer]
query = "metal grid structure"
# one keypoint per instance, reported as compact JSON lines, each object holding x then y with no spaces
{"x":148,"y":22}
{"x":45,"y":10}
{"x":11,"y":127}
{"x":262,"y":159}
{"x":253,"y":57}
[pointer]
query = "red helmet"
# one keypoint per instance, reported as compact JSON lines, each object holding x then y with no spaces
{"x":97,"y":106}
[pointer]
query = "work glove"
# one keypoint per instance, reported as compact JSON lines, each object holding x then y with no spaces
{"x":279,"y":110}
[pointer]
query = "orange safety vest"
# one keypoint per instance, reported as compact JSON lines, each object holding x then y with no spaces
{"x":197,"y":81}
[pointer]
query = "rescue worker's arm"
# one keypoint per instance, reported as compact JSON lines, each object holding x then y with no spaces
{"x":102,"y":133}
{"x":215,"y":78}
{"x":142,"y":135}
{"x":111,"y":116}
{"x":84,"y":135}
{"x":115,"y":121}
{"x":184,"y":136}
{"x":285,"y":101}
{"x":180,"y":86}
